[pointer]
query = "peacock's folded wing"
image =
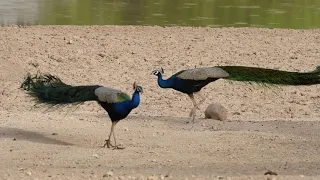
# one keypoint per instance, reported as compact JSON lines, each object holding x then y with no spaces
{"x":202,"y":73}
{"x":110,"y":95}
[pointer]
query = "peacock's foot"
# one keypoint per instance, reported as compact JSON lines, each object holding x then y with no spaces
{"x":191,"y":120}
{"x":108,"y":144}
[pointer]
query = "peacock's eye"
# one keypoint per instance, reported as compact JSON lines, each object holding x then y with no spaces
{"x":139,"y":89}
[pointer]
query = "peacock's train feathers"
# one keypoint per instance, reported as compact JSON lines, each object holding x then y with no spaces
{"x":49,"y":89}
{"x":271,"y":76}
{"x":251,"y":74}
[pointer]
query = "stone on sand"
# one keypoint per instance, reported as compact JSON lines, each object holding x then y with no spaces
{"x":216,"y":111}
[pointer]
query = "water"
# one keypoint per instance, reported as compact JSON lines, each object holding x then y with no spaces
{"x":215,"y":13}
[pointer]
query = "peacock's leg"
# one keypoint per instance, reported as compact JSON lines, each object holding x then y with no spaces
{"x":115,"y":143}
{"x":108,"y":141}
{"x":193,"y":110}
{"x":202,"y":98}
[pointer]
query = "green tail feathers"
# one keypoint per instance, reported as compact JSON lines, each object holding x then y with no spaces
{"x":50,"y":89}
{"x":271,"y":76}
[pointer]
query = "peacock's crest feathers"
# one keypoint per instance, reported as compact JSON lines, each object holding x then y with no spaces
{"x":110,"y":95}
{"x":202,"y":73}
{"x":137,"y":88}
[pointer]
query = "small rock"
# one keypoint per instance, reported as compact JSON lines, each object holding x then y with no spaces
{"x":162,"y":177}
{"x":102,"y":55}
{"x":54,"y":134}
{"x":126,"y":129}
{"x":271,"y":178}
{"x":236,"y":113}
{"x":56,"y":58}
{"x":96,"y":156}
{"x":141,"y":177}
{"x":70,"y":42}
{"x":109,"y":174}
{"x":152,"y":178}
{"x":29,"y":173}
{"x":216,"y":111}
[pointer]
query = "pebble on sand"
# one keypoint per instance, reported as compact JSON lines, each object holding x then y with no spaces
{"x":216,"y":111}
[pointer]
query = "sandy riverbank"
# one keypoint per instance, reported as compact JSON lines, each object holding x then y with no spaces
{"x":268,"y":129}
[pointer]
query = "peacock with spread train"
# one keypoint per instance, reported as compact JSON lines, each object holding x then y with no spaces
{"x":191,"y":81}
{"x":50,"y":90}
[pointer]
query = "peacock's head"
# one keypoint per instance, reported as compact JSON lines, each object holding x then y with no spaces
{"x":158,"y":72}
{"x":137,"y":88}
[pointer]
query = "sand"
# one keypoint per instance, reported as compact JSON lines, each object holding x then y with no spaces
{"x":274,"y":129}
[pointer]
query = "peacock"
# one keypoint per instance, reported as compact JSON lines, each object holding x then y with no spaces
{"x":50,"y":90}
{"x":190,"y":81}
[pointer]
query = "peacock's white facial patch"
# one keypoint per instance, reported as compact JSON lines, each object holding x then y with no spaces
{"x":139,"y":89}
{"x":155,"y":72}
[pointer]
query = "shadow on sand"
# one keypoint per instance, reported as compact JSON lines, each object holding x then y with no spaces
{"x":20,"y":134}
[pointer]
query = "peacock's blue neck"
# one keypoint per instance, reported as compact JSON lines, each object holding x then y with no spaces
{"x":135,"y":100}
{"x":164,"y":83}
{"x":122,"y":109}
